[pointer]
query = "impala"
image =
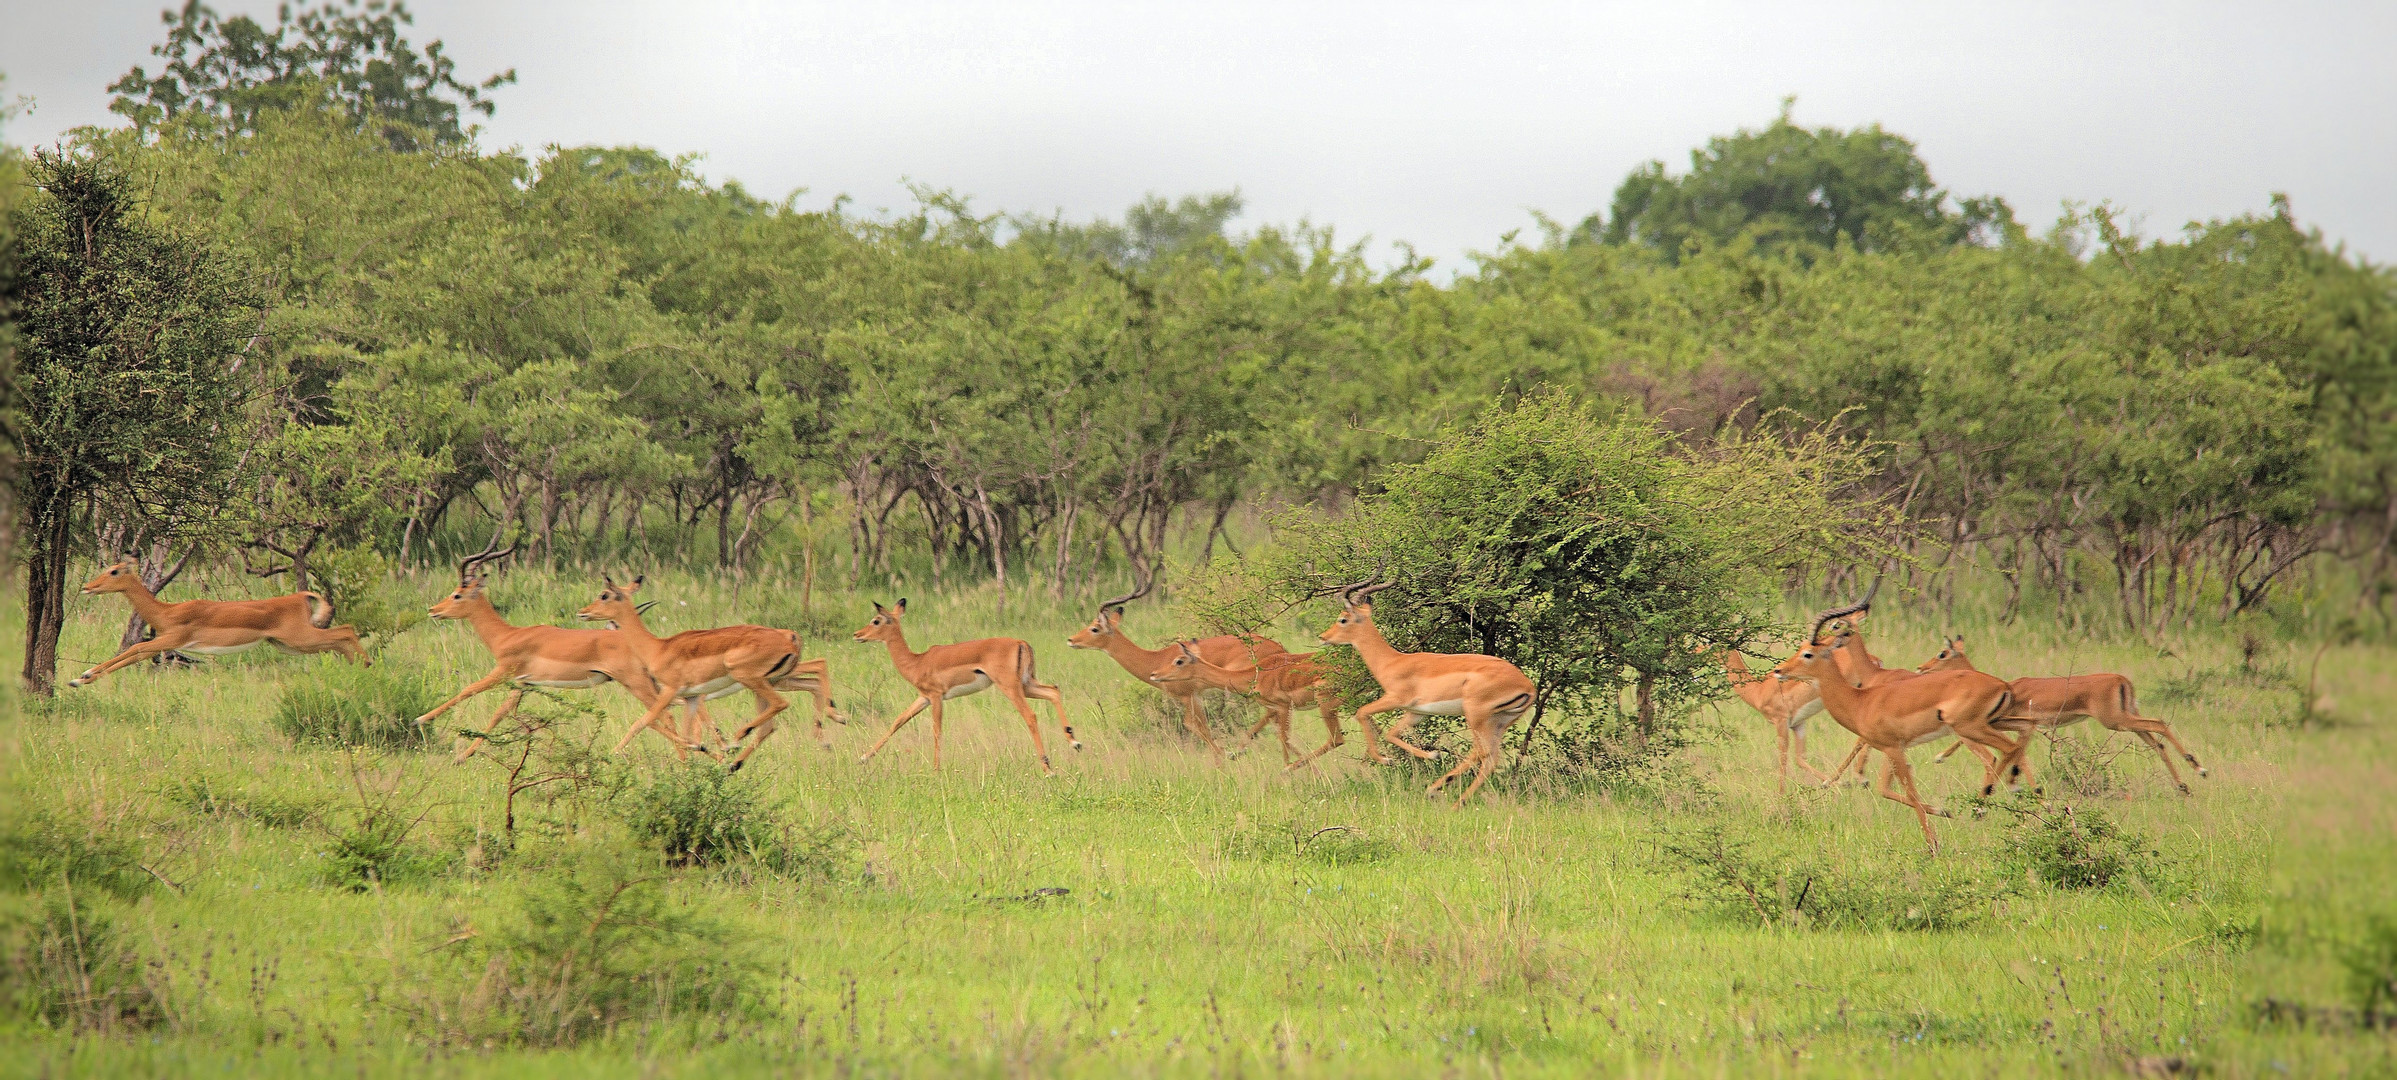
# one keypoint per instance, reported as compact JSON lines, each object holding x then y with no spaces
{"x":699,"y":663}
{"x":1283,"y":682}
{"x":947,"y":672}
{"x":2051,"y":703}
{"x":1787,"y":703}
{"x":301,"y":622}
{"x":1488,"y":692}
{"x":1898,"y":715}
{"x":1863,"y":670}
{"x":1106,"y":633}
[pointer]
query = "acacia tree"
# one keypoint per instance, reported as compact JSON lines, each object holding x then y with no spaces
{"x":1598,"y":552}
{"x":132,"y":382}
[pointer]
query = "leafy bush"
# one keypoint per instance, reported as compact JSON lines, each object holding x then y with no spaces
{"x":70,"y":967}
{"x":348,"y":705}
{"x":700,"y":815}
{"x":2372,"y":968}
{"x":357,"y":580}
{"x":39,"y":850}
{"x":373,"y":851}
{"x":2072,"y":848}
{"x":200,"y":794}
{"x":1728,"y":876}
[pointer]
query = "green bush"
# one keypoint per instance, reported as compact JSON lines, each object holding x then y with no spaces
{"x":358,"y":581}
{"x":348,"y":705}
{"x":39,"y":851}
{"x":1726,"y":875}
{"x":203,"y":795}
{"x":372,"y":851}
{"x":2372,"y":968}
{"x":2072,"y":847}
{"x":697,"y":814}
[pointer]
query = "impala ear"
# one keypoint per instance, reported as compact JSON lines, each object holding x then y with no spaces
{"x":1187,"y":650}
{"x":900,"y":608}
{"x":638,"y":579}
{"x":607,"y":581}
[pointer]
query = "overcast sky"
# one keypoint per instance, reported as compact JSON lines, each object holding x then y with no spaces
{"x":1442,"y":125}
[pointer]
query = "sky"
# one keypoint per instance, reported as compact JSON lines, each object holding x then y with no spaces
{"x":1443,"y":126}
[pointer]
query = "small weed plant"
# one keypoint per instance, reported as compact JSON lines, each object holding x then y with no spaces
{"x":342,"y":704}
{"x":1733,"y":877}
{"x":2073,"y":848}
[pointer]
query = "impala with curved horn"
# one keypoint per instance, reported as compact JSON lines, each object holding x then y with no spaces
{"x":1488,"y":692}
{"x":1106,"y":633}
{"x":699,"y":663}
{"x":2061,"y":701}
{"x":300,"y":622}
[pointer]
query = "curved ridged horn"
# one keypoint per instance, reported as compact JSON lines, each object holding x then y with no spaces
{"x":491,"y":553}
{"x":1119,"y":602}
{"x":1814,"y":634}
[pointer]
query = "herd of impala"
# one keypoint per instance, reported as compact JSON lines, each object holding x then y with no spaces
{"x":1888,"y":710}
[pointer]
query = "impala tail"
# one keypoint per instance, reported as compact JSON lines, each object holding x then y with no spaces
{"x":320,"y":611}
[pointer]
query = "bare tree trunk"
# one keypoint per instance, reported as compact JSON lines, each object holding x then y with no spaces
{"x":1065,"y":550}
{"x":45,"y":599}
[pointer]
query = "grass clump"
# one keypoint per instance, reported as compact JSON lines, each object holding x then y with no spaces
{"x":1727,"y":875}
{"x":39,"y":850}
{"x":207,"y":797}
{"x":698,"y":814}
{"x":2371,"y":964}
{"x":70,"y":967}
{"x":1330,"y":845}
{"x":348,"y":705}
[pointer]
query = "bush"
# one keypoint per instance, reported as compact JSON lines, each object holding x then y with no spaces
{"x":348,"y":705}
{"x":698,"y":814}
{"x":39,"y":851}
{"x":2072,"y":848}
{"x":206,"y":796}
{"x":1724,"y":874}
{"x":589,"y":946}
{"x":358,"y":582}
{"x":2372,"y":969}
{"x":70,"y":967}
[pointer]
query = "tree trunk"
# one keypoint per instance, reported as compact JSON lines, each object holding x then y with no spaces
{"x":1646,"y":693}
{"x":45,"y":600}
{"x":155,"y":575}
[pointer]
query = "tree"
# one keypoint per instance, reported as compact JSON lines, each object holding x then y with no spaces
{"x":1795,"y":189}
{"x":225,"y":72}
{"x":130,"y":372}
{"x":1593,"y":549}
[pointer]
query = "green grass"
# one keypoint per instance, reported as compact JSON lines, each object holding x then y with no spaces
{"x":1213,"y":923}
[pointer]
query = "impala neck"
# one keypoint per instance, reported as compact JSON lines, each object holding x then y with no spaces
{"x":1134,"y":659}
{"x":488,"y":624}
{"x":643,"y":642}
{"x":1374,"y":649}
{"x":1839,"y":697}
{"x":1225,"y":678}
{"x":145,"y":603}
{"x":909,"y":662}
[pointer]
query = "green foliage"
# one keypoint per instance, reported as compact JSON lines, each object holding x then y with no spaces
{"x":343,"y":704}
{"x":204,"y":795}
{"x":227,"y":72}
{"x":2068,"y":847}
{"x":358,"y":582}
{"x":40,"y":849}
{"x":1329,"y":845}
{"x":1724,"y":872}
{"x":698,"y":814}
{"x":2371,"y":963}
{"x":1597,"y":552}
{"x":70,"y":967}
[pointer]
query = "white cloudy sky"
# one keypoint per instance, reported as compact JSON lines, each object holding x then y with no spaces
{"x":1444,"y":125}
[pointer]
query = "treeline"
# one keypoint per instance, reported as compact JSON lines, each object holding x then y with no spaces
{"x":619,"y":358}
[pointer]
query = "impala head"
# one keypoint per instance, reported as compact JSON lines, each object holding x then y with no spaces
{"x":1109,"y":621}
{"x":461,"y":601}
{"x":1356,"y":612}
{"x":1184,"y":667}
{"x":615,"y":603}
{"x":1950,"y":658}
{"x":884,"y":626}
{"x":120,"y":576}
{"x":1812,"y":663}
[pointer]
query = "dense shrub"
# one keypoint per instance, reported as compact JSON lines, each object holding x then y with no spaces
{"x":2068,"y":847}
{"x":348,"y":705}
{"x":697,"y":814}
{"x":40,"y":850}
{"x":2371,"y":964}
{"x":1729,"y":876}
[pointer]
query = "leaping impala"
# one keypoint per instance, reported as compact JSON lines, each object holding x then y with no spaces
{"x":1787,"y":703}
{"x":2060,"y":701}
{"x":300,"y":622}
{"x":1895,"y":716}
{"x":698,"y":663}
{"x":1106,"y":633}
{"x":947,"y":672}
{"x":1488,"y":692}
{"x":1283,"y":682}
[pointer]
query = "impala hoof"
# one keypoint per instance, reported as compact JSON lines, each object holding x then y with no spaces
{"x":736,"y":766}
{"x":2201,"y":770}
{"x":2185,"y":789}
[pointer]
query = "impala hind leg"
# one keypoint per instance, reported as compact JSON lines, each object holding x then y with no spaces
{"x":1856,"y":756}
{"x":2151,"y":729}
{"x":655,"y":720}
{"x":770,"y":705}
{"x":2148,"y":736}
{"x":1894,"y":765}
{"x":1486,"y":749}
{"x":1331,"y":722}
{"x":1056,"y":700}
{"x":341,"y":639}
{"x":1015,"y":697}
{"x":905,"y":715}
{"x":506,"y":708}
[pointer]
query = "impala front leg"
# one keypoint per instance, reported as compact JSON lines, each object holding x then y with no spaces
{"x":1396,"y":734}
{"x":134,"y":655}
{"x":921,"y":701}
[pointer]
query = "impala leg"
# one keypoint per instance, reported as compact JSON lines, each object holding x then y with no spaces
{"x":1015,"y":697}
{"x":506,"y":709}
{"x":1056,"y":700}
{"x":1855,"y":757}
{"x":2148,"y":735}
{"x":1781,"y":755}
{"x":1471,"y":758}
{"x":1797,"y":738}
{"x":164,"y":642}
{"x":817,"y":682}
{"x":1331,"y":722}
{"x":1279,"y":713}
{"x":905,"y":715}
{"x":2139,"y":723}
{"x":770,"y":704}
{"x":655,"y":720}
{"x":1396,"y":734}
{"x":1196,"y":720}
{"x":498,"y":675}
{"x":1893,"y":764}
{"x":341,"y":639}
{"x":1487,"y":749}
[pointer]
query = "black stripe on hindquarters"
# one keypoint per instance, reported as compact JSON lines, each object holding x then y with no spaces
{"x":783,"y":666}
{"x":1517,"y":704}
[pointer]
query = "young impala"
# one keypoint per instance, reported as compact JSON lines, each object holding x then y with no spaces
{"x":1283,"y":682}
{"x":2057,"y":702}
{"x":698,"y":663}
{"x":1106,"y":633}
{"x":947,"y":672}
{"x":300,"y":622}
{"x":1488,"y":692}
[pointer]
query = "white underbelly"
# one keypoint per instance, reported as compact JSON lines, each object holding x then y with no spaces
{"x":980,"y":683}
{"x":1932,"y":737}
{"x":594,"y":679}
{"x":712,"y":689}
{"x":221,"y":650}
{"x":1797,"y":720}
{"x":1439,"y":708}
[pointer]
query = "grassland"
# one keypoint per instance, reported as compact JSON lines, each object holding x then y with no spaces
{"x":1214,"y":922}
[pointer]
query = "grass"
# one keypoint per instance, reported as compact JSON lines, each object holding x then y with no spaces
{"x":1144,"y":913}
